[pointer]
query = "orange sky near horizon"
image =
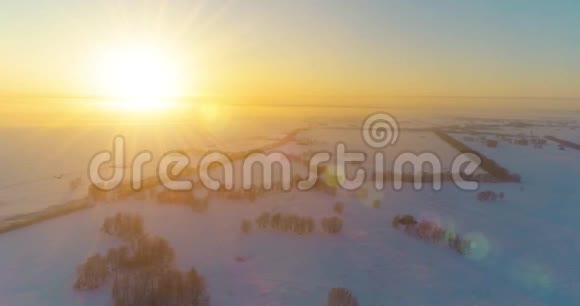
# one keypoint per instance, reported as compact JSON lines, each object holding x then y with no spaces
{"x":293,"y":52}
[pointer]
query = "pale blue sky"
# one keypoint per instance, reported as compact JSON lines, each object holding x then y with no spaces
{"x":492,"y":48}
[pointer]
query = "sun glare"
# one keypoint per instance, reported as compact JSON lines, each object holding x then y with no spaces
{"x":138,"y":77}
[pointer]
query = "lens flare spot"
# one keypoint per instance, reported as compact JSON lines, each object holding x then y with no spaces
{"x":369,"y":196}
{"x":333,"y":176}
{"x":533,"y":276}
{"x":449,"y":226}
{"x":479,"y":246}
{"x":362,"y":193}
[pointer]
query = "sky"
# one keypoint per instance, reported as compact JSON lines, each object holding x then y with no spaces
{"x":275,"y":48}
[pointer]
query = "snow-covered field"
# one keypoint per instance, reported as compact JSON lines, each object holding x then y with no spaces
{"x":527,"y":248}
{"x":39,"y":165}
{"x":416,"y":142}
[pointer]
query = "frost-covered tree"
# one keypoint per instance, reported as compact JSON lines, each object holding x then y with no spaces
{"x":339,"y":208}
{"x":263,"y":221}
{"x":406,"y":221}
{"x":332,"y":225}
{"x":154,"y":287}
{"x":92,"y":274}
{"x":246,"y":226}
{"x":341,"y":297}
{"x":124,"y":226}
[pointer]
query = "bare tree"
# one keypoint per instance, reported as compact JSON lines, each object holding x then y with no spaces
{"x":92,"y":274}
{"x":339,"y":208}
{"x":246,"y":226}
{"x":341,"y":297}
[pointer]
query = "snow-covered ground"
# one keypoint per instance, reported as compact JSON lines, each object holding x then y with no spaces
{"x":39,"y":165}
{"x":526,"y":249}
{"x":527,"y":246}
{"x":409,"y":141}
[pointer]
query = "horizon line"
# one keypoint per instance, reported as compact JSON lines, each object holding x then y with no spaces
{"x":193,"y":97}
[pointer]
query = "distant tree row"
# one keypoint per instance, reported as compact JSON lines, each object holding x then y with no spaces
{"x":183,"y":198}
{"x":101,"y":194}
{"x":564,"y":143}
{"x":143,"y":270}
{"x":250,"y":195}
{"x":331,"y":225}
{"x":301,"y":225}
{"x":293,"y":223}
{"x":489,"y":195}
{"x":255,"y":190}
{"x":431,"y":232}
{"x":487,"y":164}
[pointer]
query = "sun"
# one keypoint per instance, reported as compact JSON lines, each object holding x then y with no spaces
{"x":138,"y":77}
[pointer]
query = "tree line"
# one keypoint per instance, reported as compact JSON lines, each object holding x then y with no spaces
{"x":143,"y":270}
{"x":429,"y":231}
{"x":491,"y":166}
{"x":292,"y":223}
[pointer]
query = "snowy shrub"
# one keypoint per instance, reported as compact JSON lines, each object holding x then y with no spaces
{"x":275,"y":221}
{"x":92,"y":274}
{"x":341,"y":297}
{"x":246,"y":226}
{"x":431,"y":232}
{"x":339,"y":208}
{"x":488,"y":195}
{"x":286,"y":223}
{"x":406,"y":221}
{"x":490,"y":143}
{"x":263,"y":221}
{"x":303,"y":225}
{"x":461,"y":246}
{"x":332,"y":225}
{"x":310,"y":225}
